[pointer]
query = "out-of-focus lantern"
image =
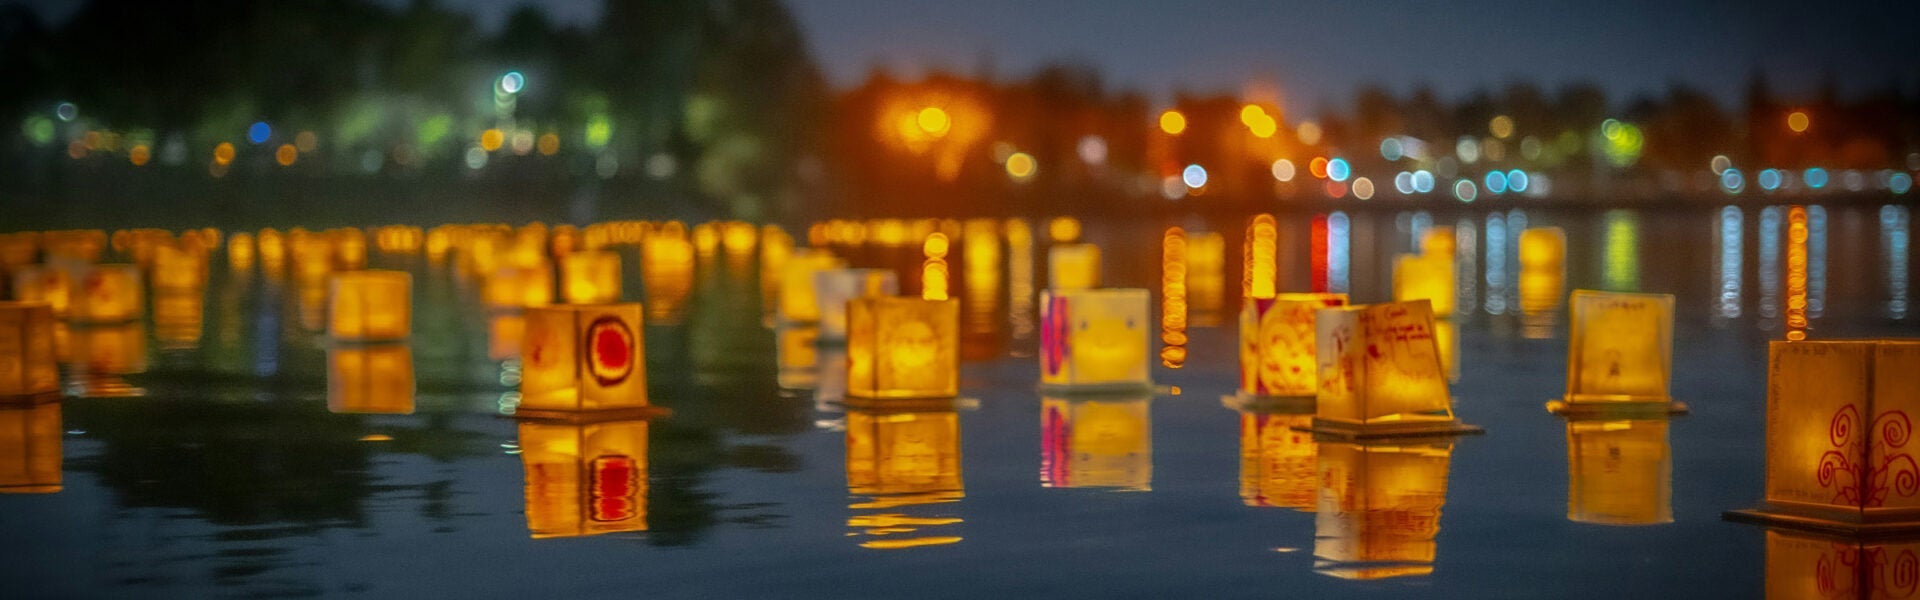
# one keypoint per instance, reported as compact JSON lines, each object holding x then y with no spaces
{"x":1094,"y":340}
{"x":830,"y":379}
{"x":666,"y":273}
{"x":512,"y":288}
{"x":27,"y":368}
{"x":505,"y":332}
{"x":107,"y":294}
{"x":590,"y":277}
{"x":585,"y":479}
{"x":1839,"y":436}
{"x":903,"y":348}
{"x":366,"y":306}
{"x":103,"y":354}
{"x":835,"y":287}
{"x":44,"y":283}
{"x":1620,"y":472}
{"x":583,"y":358}
{"x":1446,"y":337}
{"x":18,"y":249}
{"x":1277,"y":459}
{"x":1073,"y":266}
{"x":1621,"y":348}
{"x":1438,"y":241}
{"x":370,"y":378}
{"x":178,"y":268}
{"x":1096,"y":442}
{"x":1379,"y":508}
{"x":1807,"y":565}
{"x":179,"y":318}
{"x":798,"y":303}
{"x":30,"y":448}
{"x":1277,"y":356}
{"x":1206,"y":276}
{"x":1426,"y":277}
{"x":903,"y":462}
{"x":1543,"y":279}
{"x":798,"y":356}
{"x":1380,"y":372}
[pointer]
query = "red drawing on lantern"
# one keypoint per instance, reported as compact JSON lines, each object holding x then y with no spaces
{"x":1054,"y":330}
{"x":1837,"y":574}
{"x":1864,"y":478}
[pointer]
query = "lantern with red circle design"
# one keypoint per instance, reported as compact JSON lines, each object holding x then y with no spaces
{"x":583,"y":358}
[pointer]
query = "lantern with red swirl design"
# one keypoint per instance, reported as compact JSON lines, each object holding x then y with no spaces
{"x":582,"y":358}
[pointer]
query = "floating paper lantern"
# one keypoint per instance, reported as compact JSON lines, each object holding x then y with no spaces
{"x":798,"y":357}
{"x":835,"y":287}
{"x":505,"y":333}
{"x":46,"y":284}
{"x":370,"y":378}
{"x":511,"y":288}
{"x":30,"y":448}
{"x":27,"y":367}
{"x":666,"y":273}
{"x":1621,"y":348}
{"x":103,"y":354}
{"x":1379,"y":508}
{"x":1277,"y":460}
{"x":18,"y":249}
{"x":1096,"y":443}
{"x":591,"y":277}
{"x":585,"y":479}
{"x":1277,"y":356}
{"x":583,"y":358}
{"x":370,"y":306}
{"x":798,"y":302}
{"x":1425,"y":277}
{"x":1380,"y":371}
{"x":107,"y":294}
{"x":1805,"y":565}
{"x":1093,"y":340}
{"x":903,"y":348}
{"x":1073,"y":266}
{"x":1620,"y":472}
{"x":907,"y":465}
{"x":830,"y":378}
{"x":177,"y":268}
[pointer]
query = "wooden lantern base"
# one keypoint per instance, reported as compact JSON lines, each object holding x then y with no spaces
{"x":1101,"y":390}
{"x":584,"y":417}
{"x":23,"y":400}
{"x":1636,"y":409}
{"x":904,"y":405}
{"x":1258,"y":403}
{"x":1339,"y":431}
{"x":1768,"y":516}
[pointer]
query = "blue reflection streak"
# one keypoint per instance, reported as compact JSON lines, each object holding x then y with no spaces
{"x":1893,"y":236}
{"x":1816,"y":261}
{"x":1338,"y":243}
{"x":1418,"y":226}
{"x":1770,"y":218}
{"x":1496,"y":264}
{"x":1465,"y":252}
{"x":1728,"y":261}
{"x":1516,"y":223}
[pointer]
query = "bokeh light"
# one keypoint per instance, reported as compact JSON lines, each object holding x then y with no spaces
{"x":1194,"y":176}
{"x":1363,"y":188}
{"x":1422,"y":181}
{"x":1501,"y":127}
{"x":1022,"y":166}
{"x":1815,"y":177}
{"x":259,"y":132}
{"x":1172,"y":122}
{"x":1283,"y":170}
{"x":1798,"y":121}
{"x":1391,"y":149}
{"x":1464,"y":190}
{"x":492,"y":139}
{"x":1339,"y":170}
{"x":512,"y":82}
{"x":223,"y":154}
{"x":1719,"y":163}
{"x":1496,"y":182}
{"x":1308,"y":132}
{"x":1092,"y":150}
{"x":286,"y":155}
{"x":1403,"y":183}
{"x":1517,"y":181}
{"x":1769,"y":179}
{"x":1731,"y":181}
{"x":934,"y":121}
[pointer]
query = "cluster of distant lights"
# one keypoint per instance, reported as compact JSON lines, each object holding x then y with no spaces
{"x":1734,"y":181}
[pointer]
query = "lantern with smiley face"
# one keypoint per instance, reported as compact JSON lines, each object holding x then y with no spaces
{"x":370,"y":378}
{"x":28,"y":371}
{"x":1094,"y":340}
{"x":1073,"y":266}
{"x":367,"y":306}
{"x":903,"y":348}
{"x":1621,"y":348}
{"x":585,"y":479}
{"x":835,"y":287}
{"x":107,"y":294}
{"x":590,"y":277}
{"x":1380,"y":372}
{"x":583,"y":358}
{"x":1277,"y":356}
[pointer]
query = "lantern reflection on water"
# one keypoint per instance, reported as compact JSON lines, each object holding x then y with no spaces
{"x":835,"y":287}
{"x":1805,"y":565}
{"x":590,"y":277}
{"x":27,"y":368}
{"x":1073,"y":266}
{"x":103,"y":354}
{"x":1380,"y":371}
{"x":30,"y":448}
{"x":666,"y":275}
{"x":1621,"y":347}
{"x":903,"y":348}
{"x":44,"y":283}
{"x":1277,"y":355}
{"x":1379,"y":508}
{"x":370,"y":378}
{"x":1620,"y":472}
{"x":1277,"y":460}
{"x":1096,"y":442}
{"x":107,"y":294}
{"x":1206,"y":264}
{"x":798,"y":303}
{"x":907,"y":464}
{"x":370,"y":306}
{"x":585,"y":479}
{"x":583,"y":358}
{"x":179,"y":318}
{"x":798,"y":355}
{"x":1094,"y":339}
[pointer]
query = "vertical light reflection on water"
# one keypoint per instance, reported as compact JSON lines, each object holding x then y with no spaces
{"x":1727,"y":262}
{"x":1466,"y":252}
{"x":1338,"y":256}
{"x":1173,"y":297}
{"x":1317,"y":253}
{"x":1796,"y":313}
{"x":1417,"y":227}
{"x":980,"y":284}
{"x":1516,"y":223}
{"x":1496,"y":264}
{"x":1769,"y":265}
{"x":1622,"y":266}
{"x":1020,"y":285}
{"x":1893,"y":245}
{"x":1816,"y":262}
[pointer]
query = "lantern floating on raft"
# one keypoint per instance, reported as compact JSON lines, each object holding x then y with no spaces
{"x":1277,"y":355}
{"x":903,"y":348}
{"x":368,"y":306}
{"x":583,"y":358}
{"x":1380,"y":373}
{"x":1095,"y":340}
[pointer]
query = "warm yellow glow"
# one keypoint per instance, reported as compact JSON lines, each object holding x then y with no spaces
{"x":582,"y":358}
{"x":1810,"y":565}
{"x":109,"y":350}
{"x":1063,"y":229}
{"x":1020,"y":279}
{"x":491,"y":139}
{"x":590,"y":277}
{"x":797,"y":353}
{"x":1543,"y":279}
{"x":1620,"y":348}
{"x":1073,"y":266}
{"x":1095,"y":338}
{"x":1277,"y":352}
{"x":1021,"y":166}
{"x":31,"y":447}
{"x":1309,"y":133}
{"x":1096,"y":443}
{"x":836,"y":287}
{"x":934,"y":121}
{"x":1798,"y":121}
{"x":1501,"y":127}
{"x":584,"y":479}
{"x":549,"y":144}
{"x":107,"y":294}
{"x":223,"y":154}
{"x":372,"y":378}
{"x":798,"y":301}
{"x":1173,"y":298}
{"x":1620,"y":472}
{"x":1379,"y":366}
{"x":1206,"y":271}
{"x":1260,"y":259}
{"x":27,"y":366}
{"x":505,"y":333}
{"x":1428,"y":277}
{"x":179,"y":318}
{"x":45,"y":284}
{"x":1796,"y":313}
{"x":286,"y":154}
{"x":906,"y":465}
{"x":1438,"y":242}
{"x":510,"y":288}
{"x":666,"y":275}
{"x":903,"y":348}
{"x":370,"y":305}
{"x":1277,"y":461}
{"x":1172,"y":122}
{"x":1838,"y":428}
{"x":1379,"y":508}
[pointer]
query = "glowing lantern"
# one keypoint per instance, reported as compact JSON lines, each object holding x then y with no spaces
{"x":798,"y":357}
{"x":1438,"y":241}
{"x":1277,"y":356}
{"x":510,"y":288}
{"x":107,"y":294}
{"x":27,"y":367}
{"x":1620,"y":472}
{"x":835,"y":287}
{"x":1380,"y":371}
{"x":1803,"y":565}
{"x":1073,"y":266}
{"x":45,"y":283}
{"x":1379,"y":508}
{"x":798,"y":303}
{"x":585,"y":479}
{"x":903,"y":348}
{"x":1277,"y":460}
{"x":591,"y":277}
{"x":1096,"y":443}
{"x":666,"y":273}
{"x":371,"y":378}
{"x":583,"y":358}
{"x":1206,"y":276}
{"x":1428,"y":277}
{"x":1621,"y":347}
{"x":1838,"y":435}
{"x":1543,"y":278}
{"x":1094,"y":340}
{"x":505,"y":332}
{"x":370,"y":306}
{"x":176,"y":268}
{"x":103,"y":354}
{"x":18,"y":249}
{"x":30,"y":448}
{"x":179,"y":318}
{"x":903,"y":461}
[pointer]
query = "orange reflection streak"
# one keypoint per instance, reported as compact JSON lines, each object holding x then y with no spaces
{"x":899,"y":462}
{"x":1797,"y":273}
{"x":933,"y":272}
{"x":1261,"y":269}
{"x":1173,"y":298}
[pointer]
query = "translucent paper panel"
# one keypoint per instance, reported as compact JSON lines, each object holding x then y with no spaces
{"x":27,"y":359}
{"x":370,"y":306}
{"x":1621,"y":347}
{"x":44,"y":283}
{"x":1839,"y":427}
{"x":1094,"y":337}
{"x":1277,"y":352}
{"x":585,"y":357}
{"x":903,"y":348}
{"x":1379,"y":364}
{"x":107,"y":294}
{"x":508,"y":288}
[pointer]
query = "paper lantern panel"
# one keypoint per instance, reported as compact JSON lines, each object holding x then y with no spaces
{"x":1095,"y":339}
{"x":1073,"y":266}
{"x":107,"y":294}
{"x":903,"y":348}
{"x":798,"y":303}
{"x":176,"y":268}
{"x":1620,"y":472}
{"x":372,"y":379}
{"x":1621,"y":347}
{"x":583,"y":357}
{"x":1379,"y":509}
{"x":370,"y":306}
{"x":44,"y":283}
{"x":27,"y":359}
{"x":835,"y":287}
{"x":1379,"y":366}
{"x":1839,"y":429}
{"x":590,"y":277}
{"x":506,"y":332}
{"x":585,"y":479}
{"x":1277,"y":356}
{"x":30,"y":449}
{"x":1104,"y":443}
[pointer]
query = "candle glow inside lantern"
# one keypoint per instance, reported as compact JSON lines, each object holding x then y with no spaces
{"x":1425,"y":277}
{"x":1379,"y":508}
{"x":1621,"y":347}
{"x":370,"y":306}
{"x":27,"y":367}
{"x":590,"y":277}
{"x":1096,"y":443}
{"x":178,"y":268}
{"x":1095,"y":340}
{"x":1805,"y":565}
{"x":518,"y":287}
{"x":1839,"y":449}
{"x":44,"y":283}
{"x":107,"y":294}
{"x":835,"y":287}
{"x":1380,"y":371}
{"x":1073,"y":266}
{"x":907,"y":466}
{"x":1620,"y":472}
{"x":586,"y":479}
{"x":583,"y":358}
{"x":370,"y":379}
{"x":1277,"y":460}
{"x":1277,"y":352}
{"x":798,"y":303}
{"x":903,"y":348}
{"x":30,"y":448}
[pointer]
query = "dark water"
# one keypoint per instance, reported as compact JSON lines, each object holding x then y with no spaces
{"x":231,"y":477}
